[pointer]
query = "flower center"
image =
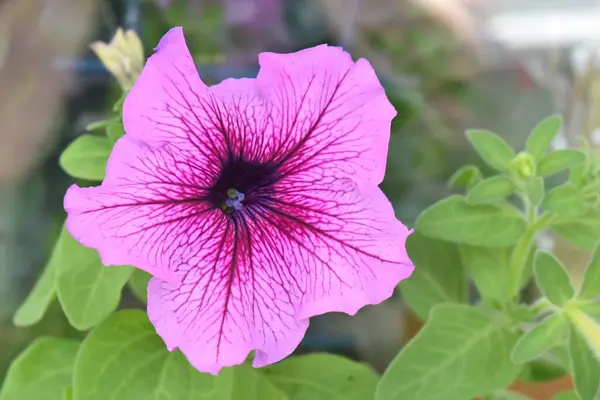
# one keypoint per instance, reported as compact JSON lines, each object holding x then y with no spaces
{"x":241,"y":184}
{"x":234,"y":200}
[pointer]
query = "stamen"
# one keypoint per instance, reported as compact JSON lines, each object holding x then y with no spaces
{"x":235,"y":199}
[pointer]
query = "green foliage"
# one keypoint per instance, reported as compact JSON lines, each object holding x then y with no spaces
{"x":115,"y":131}
{"x":585,"y":366}
{"x":244,"y":382}
{"x":100,"y":125}
{"x":323,"y":377}
{"x":559,"y":160}
{"x":582,"y":231}
{"x":454,"y":220}
{"x":569,"y":395}
{"x":590,"y":287}
{"x":541,"y":338}
{"x":465,"y":177}
{"x":552,"y":279}
{"x":496,"y":246}
{"x":457,"y":342}
{"x":37,"y":302}
{"x":506,"y":395}
{"x":490,"y":190}
{"x":88,"y":291}
{"x":464,"y":351}
{"x":542,"y":135}
{"x":124,"y":359}
{"x":590,"y":308}
{"x":86,"y":157}
{"x":564,"y":201}
{"x":490,"y":271}
{"x":534,"y":190}
{"x":438,"y":276}
{"x":546,"y":368}
{"x":491,"y":148}
{"x":138,"y":283}
{"x":43,"y":371}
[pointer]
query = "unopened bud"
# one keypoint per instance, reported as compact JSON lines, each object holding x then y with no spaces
{"x":123,"y":56}
{"x":523,"y":166}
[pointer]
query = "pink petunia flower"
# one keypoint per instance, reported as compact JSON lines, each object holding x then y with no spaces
{"x":254,"y":203}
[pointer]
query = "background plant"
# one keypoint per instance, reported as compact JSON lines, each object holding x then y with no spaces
{"x":488,"y":237}
{"x":485,"y":237}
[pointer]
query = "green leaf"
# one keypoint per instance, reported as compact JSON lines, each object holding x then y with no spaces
{"x":582,"y":231}
{"x":454,"y":220}
{"x":86,"y":157}
{"x":591,"y":308}
{"x":138,"y":283}
{"x":492,"y":148}
{"x":542,"y":371}
{"x":465,"y":177}
{"x":520,"y":313}
{"x":118,"y":106}
{"x":564,"y":200}
{"x":535,"y":190}
{"x":87,"y":290}
{"x":437,"y":278}
{"x":586,"y":172}
{"x":542,"y":135}
{"x":68,"y":393}
{"x":42,"y":371}
{"x":512,"y":396}
{"x":547,"y":334}
{"x":490,"y":190}
{"x":94,"y":126}
{"x":37,"y":302}
{"x":243,"y":382}
{"x":459,"y":354}
{"x":569,"y":395}
{"x":115,"y":131}
{"x":584,"y":366}
{"x":590,"y":287}
{"x":124,"y":359}
{"x":558,"y":160}
{"x":552,"y":279}
{"x":489,"y":270}
{"x":323,"y":377}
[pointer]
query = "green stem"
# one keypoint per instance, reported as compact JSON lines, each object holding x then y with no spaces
{"x":518,"y":259}
{"x":541,"y":305}
{"x":543,"y":221}
{"x":521,"y":251}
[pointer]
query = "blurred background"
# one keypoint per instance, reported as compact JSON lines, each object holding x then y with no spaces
{"x":447,"y":65}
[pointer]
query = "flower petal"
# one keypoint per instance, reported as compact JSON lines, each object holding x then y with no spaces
{"x":244,"y":119}
{"x":322,"y":238}
{"x":170,"y":104}
{"x":329,"y":112}
{"x":150,"y":205}
{"x":343,"y":238}
{"x":330,"y":248}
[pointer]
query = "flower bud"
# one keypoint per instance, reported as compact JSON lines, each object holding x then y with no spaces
{"x":523,"y":166}
{"x":123,"y":56}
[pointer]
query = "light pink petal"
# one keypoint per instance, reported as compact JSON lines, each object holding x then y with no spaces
{"x":170,"y":104}
{"x":245,"y":119}
{"x":151,"y":205}
{"x":319,"y":247}
{"x":328,"y":112}
{"x":344,"y":239}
